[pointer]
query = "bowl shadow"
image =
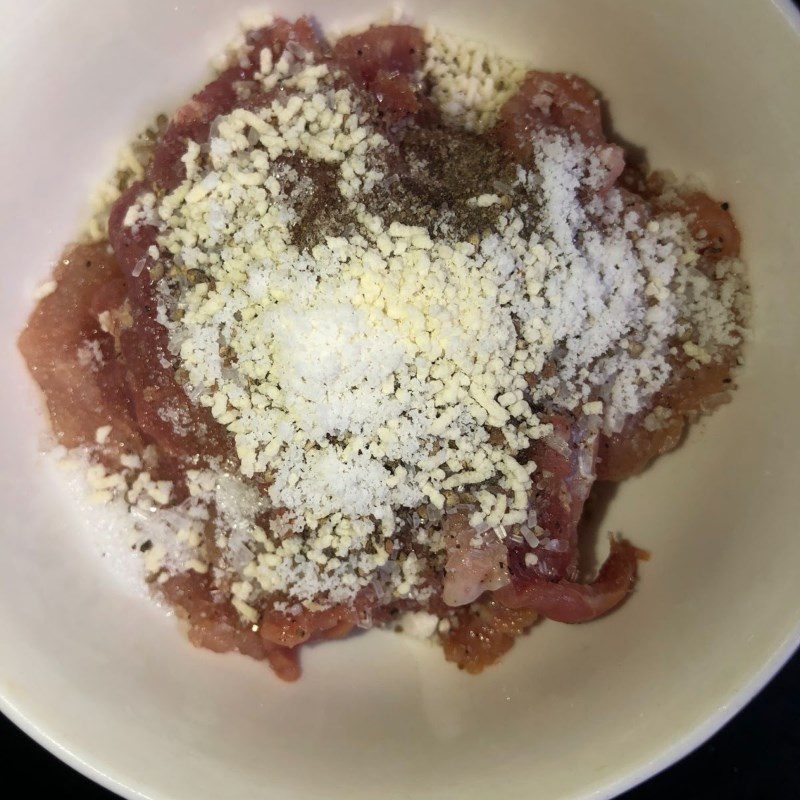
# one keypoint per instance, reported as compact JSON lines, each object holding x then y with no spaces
{"x":591,"y":524}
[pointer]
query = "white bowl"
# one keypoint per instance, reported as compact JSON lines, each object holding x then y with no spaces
{"x":105,"y":680}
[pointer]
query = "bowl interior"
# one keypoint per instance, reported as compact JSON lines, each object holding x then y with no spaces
{"x":104,"y":677}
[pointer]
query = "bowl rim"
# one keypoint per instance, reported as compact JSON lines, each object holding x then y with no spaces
{"x":129,"y":788}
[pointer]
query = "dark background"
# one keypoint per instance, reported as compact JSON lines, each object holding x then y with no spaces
{"x":755,"y":757}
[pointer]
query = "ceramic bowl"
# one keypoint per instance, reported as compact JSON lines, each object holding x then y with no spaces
{"x":104,"y":678}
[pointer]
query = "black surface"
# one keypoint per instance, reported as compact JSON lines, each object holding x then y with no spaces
{"x":755,"y":757}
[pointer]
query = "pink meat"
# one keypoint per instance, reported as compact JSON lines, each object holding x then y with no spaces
{"x":216,"y":625}
{"x":476,"y":563}
{"x":143,"y":344}
{"x":155,"y":390}
{"x":72,"y":358}
{"x":384,"y":61}
{"x":483,"y":633}
{"x":130,"y":243}
{"x":556,"y":101}
{"x":628,"y":452}
{"x":192,"y":121}
{"x":564,"y":476}
{"x":689,"y":393}
{"x":565,"y":473}
{"x":712,"y":224}
{"x":568,"y":601}
{"x":293,"y":630}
